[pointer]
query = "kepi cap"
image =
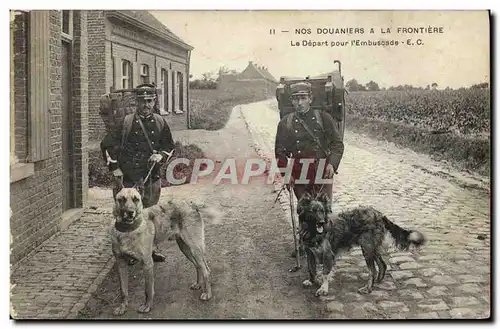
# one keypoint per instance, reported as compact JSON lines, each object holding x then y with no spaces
{"x":300,"y":88}
{"x":145,"y":91}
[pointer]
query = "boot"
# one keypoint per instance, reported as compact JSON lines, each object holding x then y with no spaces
{"x":158,"y":257}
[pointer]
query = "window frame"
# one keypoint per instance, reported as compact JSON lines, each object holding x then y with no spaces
{"x":67,"y":36}
{"x":145,"y":78}
{"x":126,"y":76}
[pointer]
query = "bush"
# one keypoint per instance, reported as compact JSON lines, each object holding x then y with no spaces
{"x":99,"y":175}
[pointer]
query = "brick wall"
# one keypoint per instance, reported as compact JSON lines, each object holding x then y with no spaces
{"x":36,"y":201}
{"x":97,"y":55}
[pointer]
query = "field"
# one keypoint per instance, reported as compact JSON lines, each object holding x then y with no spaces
{"x":211,"y":109}
{"x":465,"y":111}
{"x":451,"y":125}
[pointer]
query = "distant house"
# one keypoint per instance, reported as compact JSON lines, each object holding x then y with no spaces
{"x":48,"y":124}
{"x":254,"y":78}
{"x":130,"y":47}
{"x":254,"y":71}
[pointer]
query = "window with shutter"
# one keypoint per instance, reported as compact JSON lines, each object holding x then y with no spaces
{"x":144,"y":73}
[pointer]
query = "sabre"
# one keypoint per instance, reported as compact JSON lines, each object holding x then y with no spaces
{"x":297,"y":251}
{"x":150,"y":170}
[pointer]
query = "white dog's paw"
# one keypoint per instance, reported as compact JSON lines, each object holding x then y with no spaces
{"x":120,"y":310}
{"x":322,"y":291}
{"x":307,"y":284}
{"x":195,"y":286}
{"x":364,"y":290}
{"x":205,"y":296}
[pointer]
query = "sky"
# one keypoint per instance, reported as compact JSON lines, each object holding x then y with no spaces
{"x":457,"y":57}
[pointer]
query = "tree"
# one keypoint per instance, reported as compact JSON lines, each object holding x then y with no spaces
{"x":353,"y":85}
{"x":372,"y":86}
{"x":434,"y":85}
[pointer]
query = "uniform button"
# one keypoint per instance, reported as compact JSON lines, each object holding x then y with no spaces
{"x":136,"y":132}
{"x":152,"y":120}
{"x":296,"y":131}
{"x":152,"y":131}
{"x":298,"y":151}
{"x":298,"y":142}
{"x":152,"y":142}
{"x":313,"y":118}
{"x":136,"y":121}
{"x":296,"y":120}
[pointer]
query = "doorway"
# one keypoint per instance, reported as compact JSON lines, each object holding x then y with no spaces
{"x":68,"y":172}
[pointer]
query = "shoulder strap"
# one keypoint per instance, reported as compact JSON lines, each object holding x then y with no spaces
{"x":146,"y":135}
{"x":319,"y":115}
{"x":160,"y":122}
{"x":289,"y":120}
{"x":127,"y":126}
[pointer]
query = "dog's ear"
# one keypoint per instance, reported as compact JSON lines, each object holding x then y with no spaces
{"x":324,"y":199}
{"x":140,"y":187}
{"x":306,"y":196}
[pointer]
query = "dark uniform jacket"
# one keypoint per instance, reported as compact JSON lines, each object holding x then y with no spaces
{"x":133,"y":158}
{"x":294,"y":141}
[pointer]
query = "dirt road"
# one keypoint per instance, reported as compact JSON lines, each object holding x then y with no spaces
{"x":248,"y":250}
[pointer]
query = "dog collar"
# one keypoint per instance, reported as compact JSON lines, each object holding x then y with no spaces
{"x":123,"y":227}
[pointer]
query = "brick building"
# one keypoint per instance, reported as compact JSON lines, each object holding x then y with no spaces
{"x":127,"y":48}
{"x":49,"y":130}
{"x":254,"y":78}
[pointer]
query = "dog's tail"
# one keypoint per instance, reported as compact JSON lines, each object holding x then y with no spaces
{"x":404,"y":238}
{"x":206,"y":212}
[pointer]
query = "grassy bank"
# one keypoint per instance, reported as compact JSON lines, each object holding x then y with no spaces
{"x":211,"y":109}
{"x":464,"y":152}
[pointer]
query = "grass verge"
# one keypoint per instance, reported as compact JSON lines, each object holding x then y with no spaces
{"x":211,"y":109}
{"x":465,"y":152}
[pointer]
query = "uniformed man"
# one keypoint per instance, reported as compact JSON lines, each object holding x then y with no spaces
{"x":320,"y":140}
{"x":142,"y":140}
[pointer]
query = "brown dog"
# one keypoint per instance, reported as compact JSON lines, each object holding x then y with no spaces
{"x":324,"y":235}
{"x":136,"y":230}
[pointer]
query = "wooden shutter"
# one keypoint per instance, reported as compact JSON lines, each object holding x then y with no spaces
{"x":39,"y":85}
{"x":117,"y":73}
{"x":159,"y":88}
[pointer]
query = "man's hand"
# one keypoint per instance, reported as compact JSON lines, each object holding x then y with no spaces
{"x":156,"y":158}
{"x":329,"y":171}
{"x":117,"y":172}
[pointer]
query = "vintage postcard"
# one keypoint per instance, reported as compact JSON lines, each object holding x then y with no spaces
{"x":250,"y":164}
